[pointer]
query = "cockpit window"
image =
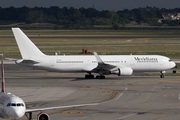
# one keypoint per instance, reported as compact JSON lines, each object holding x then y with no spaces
{"x":170,"y":60}
{"x":14,"y":104}
{"x":18,"y":104}
{"x":9,"y":104}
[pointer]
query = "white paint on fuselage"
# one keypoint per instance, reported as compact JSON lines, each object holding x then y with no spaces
{"x":86,"y":63}
{"x":12,"y":106}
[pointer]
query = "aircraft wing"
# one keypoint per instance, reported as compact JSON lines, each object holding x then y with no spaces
{"x":59,"y":107}
{"x":103,"y":67}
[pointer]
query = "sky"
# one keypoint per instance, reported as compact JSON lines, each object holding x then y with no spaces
{"x":114,"y":5}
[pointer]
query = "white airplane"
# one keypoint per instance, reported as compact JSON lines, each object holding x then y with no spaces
{"x":121,"y":65}
{"x":13,"y":107}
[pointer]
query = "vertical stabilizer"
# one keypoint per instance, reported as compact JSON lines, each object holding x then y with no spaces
{"x":2,"y":75}
{"x":27,"y":48}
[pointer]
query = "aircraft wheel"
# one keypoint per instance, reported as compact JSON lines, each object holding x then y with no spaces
{"x":97,"y":77}
{"x":162,"y":76}
{"x":102,"y":77}
{"x":87,"y":76}
{"x":92,"y":76}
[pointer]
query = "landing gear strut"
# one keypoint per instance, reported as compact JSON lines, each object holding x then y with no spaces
{"x":29,"y":115}
{"x":162,"y":74}
{"x":89,"y":76}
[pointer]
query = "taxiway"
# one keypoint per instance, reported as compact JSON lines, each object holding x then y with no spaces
{"x":119,"y":98}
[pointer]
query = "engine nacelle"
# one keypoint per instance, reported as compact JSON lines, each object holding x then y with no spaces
{"x":43,"y":116}
{"x":126,"y":71}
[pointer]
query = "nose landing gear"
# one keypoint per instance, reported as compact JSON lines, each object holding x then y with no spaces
{"x":162,"y":74}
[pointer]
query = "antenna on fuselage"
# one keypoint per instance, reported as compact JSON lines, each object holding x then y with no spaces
{"x":2,"y":75}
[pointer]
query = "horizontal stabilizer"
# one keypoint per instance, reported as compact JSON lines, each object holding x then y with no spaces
{"x":11,"y":59}
{"x":26,"y":62}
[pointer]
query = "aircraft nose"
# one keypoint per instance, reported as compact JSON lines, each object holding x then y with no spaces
{"x":18,"y":114}
{"x":173,"y":64}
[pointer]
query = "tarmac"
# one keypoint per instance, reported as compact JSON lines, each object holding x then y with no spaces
{"x":115,"y":98}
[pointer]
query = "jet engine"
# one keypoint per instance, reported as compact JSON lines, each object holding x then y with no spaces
{"x":43,"y":116}
{"x":126,"y":71}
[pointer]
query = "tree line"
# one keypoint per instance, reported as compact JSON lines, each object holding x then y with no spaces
{"x":86,"y":17}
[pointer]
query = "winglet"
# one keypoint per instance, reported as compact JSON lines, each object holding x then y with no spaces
{"x":98,"y":58}
{"x":2,"y":75}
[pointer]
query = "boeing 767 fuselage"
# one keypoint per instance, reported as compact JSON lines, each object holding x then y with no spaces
{"x":121,"y":65}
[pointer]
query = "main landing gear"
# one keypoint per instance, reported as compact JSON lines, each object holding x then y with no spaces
{"x":90,"y":76}
{"x":100,"y":77}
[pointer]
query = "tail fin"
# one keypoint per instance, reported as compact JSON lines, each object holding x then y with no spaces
{"x":27,"y":48}
{"x":2,"y":74}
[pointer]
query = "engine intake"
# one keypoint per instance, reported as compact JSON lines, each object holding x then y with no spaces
{"x":43,"y":116}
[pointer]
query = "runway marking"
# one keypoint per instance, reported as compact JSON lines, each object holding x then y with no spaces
{"x":29,"y":68}
{"x":106,"y":91}
{"x":85,"y":109}
{"x":126,"y":116}
{"x":151,"y":93}
{"x":158,"y":112}
{"x":169,"y":81}
{"x":111,"y":98}
{"x":121,"y":94}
